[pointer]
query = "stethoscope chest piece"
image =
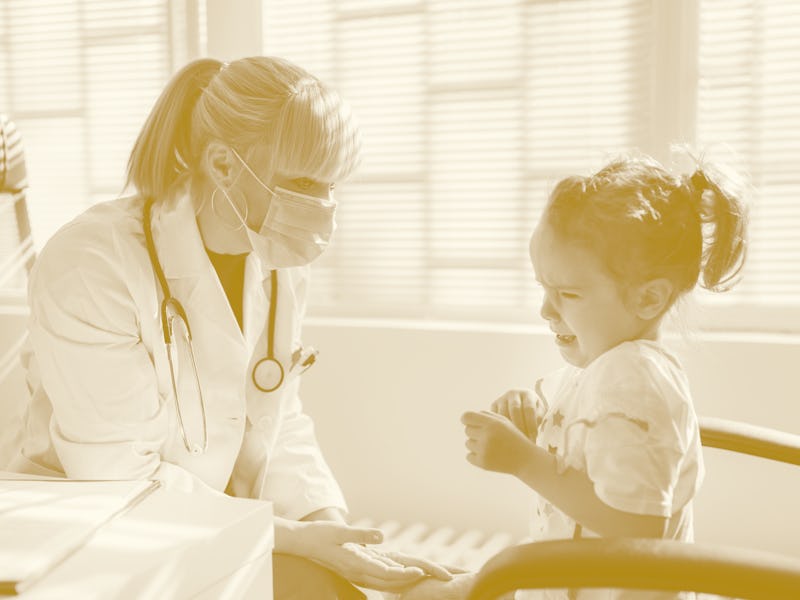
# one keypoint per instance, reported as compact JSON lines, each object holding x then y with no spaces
{"x":268,"y":374}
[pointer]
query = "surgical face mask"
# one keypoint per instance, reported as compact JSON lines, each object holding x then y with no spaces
{"x":296,"y":229}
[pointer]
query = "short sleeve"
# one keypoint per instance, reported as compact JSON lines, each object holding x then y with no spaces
{"x":634,"y":443}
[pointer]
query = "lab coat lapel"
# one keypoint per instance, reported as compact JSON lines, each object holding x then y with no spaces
{"x":255,"y":301}
{"x":194,"y":283}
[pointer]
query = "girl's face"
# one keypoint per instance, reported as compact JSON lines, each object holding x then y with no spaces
{"x":583,"y":304}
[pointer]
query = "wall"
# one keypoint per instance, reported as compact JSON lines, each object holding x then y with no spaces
{"x":387,"y":397}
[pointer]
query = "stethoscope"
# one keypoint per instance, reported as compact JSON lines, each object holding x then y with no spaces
{"x":268,"y":373}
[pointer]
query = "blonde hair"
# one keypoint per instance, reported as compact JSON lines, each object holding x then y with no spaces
{"x":261,"y":100}
{"x":643,"y":222}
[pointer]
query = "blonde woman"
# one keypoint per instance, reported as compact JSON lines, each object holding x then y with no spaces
{"x":165,"y":326}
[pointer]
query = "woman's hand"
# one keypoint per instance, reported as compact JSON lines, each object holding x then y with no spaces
{"x":523,"y":408}
{"x":494,"y":442}
{"x":345,"y":550}
{"x":394,"y":560}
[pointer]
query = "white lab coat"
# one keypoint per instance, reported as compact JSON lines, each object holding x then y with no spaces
{"x":102,"y":404}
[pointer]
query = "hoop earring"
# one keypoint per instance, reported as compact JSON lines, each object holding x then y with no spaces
{"x":199,"y":208}
{"x":222,"y":219}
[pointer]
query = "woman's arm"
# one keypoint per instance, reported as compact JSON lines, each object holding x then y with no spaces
{"x":347,"y":551}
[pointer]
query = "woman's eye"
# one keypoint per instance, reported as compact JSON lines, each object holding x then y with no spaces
{"x":568,"y":295}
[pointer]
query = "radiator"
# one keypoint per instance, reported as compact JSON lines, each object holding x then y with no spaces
{"x":463,"y":549}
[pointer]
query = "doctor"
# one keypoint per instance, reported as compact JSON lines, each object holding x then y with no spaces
{"x":165,"y":326}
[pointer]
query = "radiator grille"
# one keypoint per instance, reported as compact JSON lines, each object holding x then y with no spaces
{"x":463,"y":549}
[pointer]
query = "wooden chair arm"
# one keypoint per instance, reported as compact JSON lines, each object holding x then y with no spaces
{"x":639,"y":563}
{"x":745,"y":438}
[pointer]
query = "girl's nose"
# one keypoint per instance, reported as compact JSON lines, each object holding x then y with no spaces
{"x":548,"y":311}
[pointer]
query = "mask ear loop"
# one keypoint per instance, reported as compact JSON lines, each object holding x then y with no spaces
{"x":249,"y":170}
{"x":243,"y":220}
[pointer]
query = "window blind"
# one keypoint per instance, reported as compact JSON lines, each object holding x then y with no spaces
{"x":470,"y":112}
{"x":749,"y":97}
{"x":78,"y":79}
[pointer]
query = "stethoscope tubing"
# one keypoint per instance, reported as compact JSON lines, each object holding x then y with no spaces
{"x":170,"y":300}
{"x":268,"y":361}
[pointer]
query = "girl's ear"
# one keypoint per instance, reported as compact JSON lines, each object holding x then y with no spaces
{"x":652,"y":298}
{"x":219,"y":163}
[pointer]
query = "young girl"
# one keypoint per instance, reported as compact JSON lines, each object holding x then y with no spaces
{"x":612,"y":445}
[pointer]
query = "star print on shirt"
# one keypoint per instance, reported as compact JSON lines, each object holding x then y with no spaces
{"x":558,"y":419}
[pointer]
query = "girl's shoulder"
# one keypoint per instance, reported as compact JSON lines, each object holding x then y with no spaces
{"x":639,"y":372}
{"x":634,"y":358}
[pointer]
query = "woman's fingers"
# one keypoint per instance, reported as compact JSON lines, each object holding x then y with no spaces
{"x":431,"y":568}
{"x":376,"y":564}
{"x":357,"y":535}
{"x":375,"y":555}
{"x":371,"y":569}
{"x":400,"y":560}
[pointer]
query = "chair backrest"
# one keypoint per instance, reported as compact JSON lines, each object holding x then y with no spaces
{"x":745,"y":438}
{"x":16,"y":243}
{"x":656,"y":564}
{"x":17,"y":254}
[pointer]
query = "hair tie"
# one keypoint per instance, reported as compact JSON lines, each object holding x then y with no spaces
{"x":698,"y":181}
{"x":696,"y":185}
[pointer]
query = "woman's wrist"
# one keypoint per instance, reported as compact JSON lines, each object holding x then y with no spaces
{"x":326,"y":514}
{"x":288,"y":536}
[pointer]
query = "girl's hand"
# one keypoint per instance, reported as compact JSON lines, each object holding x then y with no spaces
{"x":344,"y":549}
{"x":523,"y":408}
{"x":494,"y":442}
{"x":431,"y":589}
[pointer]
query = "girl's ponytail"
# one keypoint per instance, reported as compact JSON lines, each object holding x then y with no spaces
{"x":723,"y":218}
{"x":163,"y":149}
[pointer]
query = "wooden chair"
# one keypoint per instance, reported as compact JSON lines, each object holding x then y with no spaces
{"x":655,"y":564}
{"x":17,"y":254}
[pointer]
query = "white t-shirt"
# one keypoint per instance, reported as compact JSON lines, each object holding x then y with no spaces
{"x":628,"y":422}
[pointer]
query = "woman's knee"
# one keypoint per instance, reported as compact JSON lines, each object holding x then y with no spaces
{"x":297,"y":578}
